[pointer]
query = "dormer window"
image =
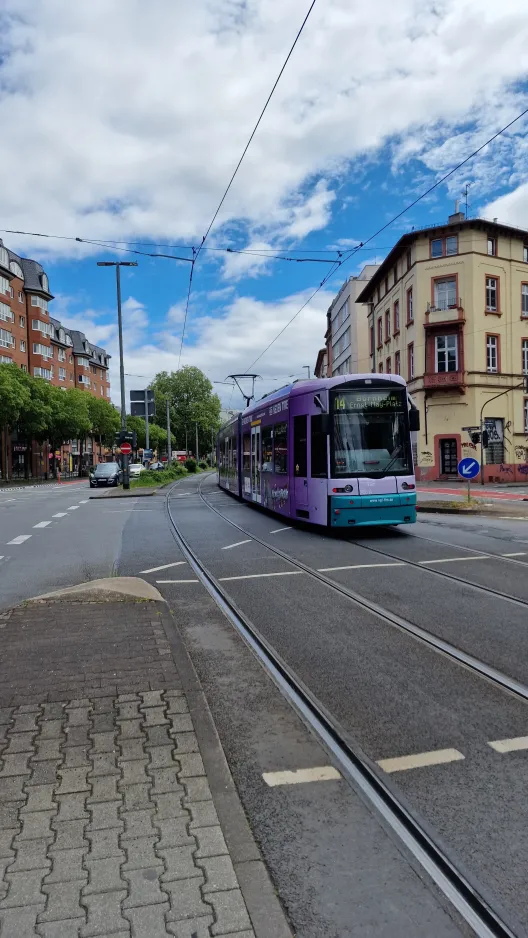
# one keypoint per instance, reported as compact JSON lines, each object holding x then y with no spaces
{"x":16,"y":270}
{"x":45,"y":282}
{"x":4,"y":257}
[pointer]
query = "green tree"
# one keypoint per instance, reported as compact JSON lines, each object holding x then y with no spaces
{"x":15,"y":398}
{"x":192,"y":402}
{"x":104,"y":420}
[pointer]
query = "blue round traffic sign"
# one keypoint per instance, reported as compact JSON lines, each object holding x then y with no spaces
{"x":468,"y":468}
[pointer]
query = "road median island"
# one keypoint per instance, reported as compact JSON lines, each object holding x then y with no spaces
{"x":516,"y":510}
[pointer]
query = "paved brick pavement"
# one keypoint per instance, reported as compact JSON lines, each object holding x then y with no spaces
{"x":107,"y":824}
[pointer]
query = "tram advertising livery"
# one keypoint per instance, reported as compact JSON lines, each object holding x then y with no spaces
{"x":333,"y":451}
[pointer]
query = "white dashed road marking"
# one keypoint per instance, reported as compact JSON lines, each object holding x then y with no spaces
{"x":453,"y":559}
{"x":420,"y":759}
{"x":177,"y":581}
{"x":279,"y":530}
{"x":510,"y":745}
{"x":42,"y":524}
{"x":165,"y":566}
{"x":325,"y":773}
{"x":519,"y":553}
{"x":20,"y":539}
{"x":73,"y":508}
{"x":258,"y":576}
{"x":84,"y":501}
{"x":237,"y":544}
{"x":360,"y":566}
{"x":60,"y":514}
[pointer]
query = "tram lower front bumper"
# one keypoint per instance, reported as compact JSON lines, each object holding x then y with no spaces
{"x":351,"y":511}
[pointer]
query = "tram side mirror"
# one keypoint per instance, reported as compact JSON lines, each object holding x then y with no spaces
{"x":414,"y":419}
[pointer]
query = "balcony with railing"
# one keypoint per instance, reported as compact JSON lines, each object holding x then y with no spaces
{"x":444,"y":309}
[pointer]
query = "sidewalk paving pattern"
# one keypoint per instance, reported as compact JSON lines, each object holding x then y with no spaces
{"x":107,"y":824}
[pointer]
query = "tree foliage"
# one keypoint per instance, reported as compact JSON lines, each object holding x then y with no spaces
{"x":192,"y":402}
{"x":104,"y":419}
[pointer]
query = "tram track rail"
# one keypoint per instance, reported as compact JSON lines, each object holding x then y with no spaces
{"x":465,"y":895}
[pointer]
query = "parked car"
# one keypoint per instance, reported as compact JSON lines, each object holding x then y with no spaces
{"x":135,"y":469}
{"x":106,"y":473}
{"x":156,"y":465}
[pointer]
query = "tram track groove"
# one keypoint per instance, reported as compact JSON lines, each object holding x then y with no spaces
{"x":465,"y":894}
{"x":470,"y":550}
{"x":454,"y":653}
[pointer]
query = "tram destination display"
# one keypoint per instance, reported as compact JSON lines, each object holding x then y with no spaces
{"x":372,"y":401}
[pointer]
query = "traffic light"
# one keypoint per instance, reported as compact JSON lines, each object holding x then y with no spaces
{"x":485,"y":439}
{"x":475,"y":437}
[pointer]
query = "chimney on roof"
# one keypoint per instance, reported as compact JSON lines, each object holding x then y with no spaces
{"x":495,"y":220}
{"x":458,"y":216}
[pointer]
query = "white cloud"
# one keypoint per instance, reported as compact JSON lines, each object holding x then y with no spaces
{"x":126,"y":119}
{"x":511,"y":209}
{"x":176,"y":313}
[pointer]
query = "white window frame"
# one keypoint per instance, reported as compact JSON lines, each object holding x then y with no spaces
{"x":62,"y":374}
{"x":490,"y":290}
{"x":83,"y":363}
{"x":525,"y":253}
{"x":449,"y":294}
{"x":38,"y":301}
{"x":61,"y":355}
{"x":410,"y":305}
{"x":410,"y":360}
{"x":6,"y":339}
{"x":43,"y":327}
{"x":492,"y":354}
{"x":524,"y":353}
{"x":16,"y":270}
{"x":396,"y":306}
{"x":5,"y":360}
{"x":46,"y":373}
{"x":22,"y":322}
{"x":4,"y":257}
{"x":397,"y":362}
{"x":450,"y":342}
{"x":6,"y":313}
{"x":492,"y":246}
{"x":524,"y":300}
{"x":22,"y":345}
{"x":5,"y":288}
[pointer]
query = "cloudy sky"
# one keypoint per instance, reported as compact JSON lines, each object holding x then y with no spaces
{"x":123,"y":120}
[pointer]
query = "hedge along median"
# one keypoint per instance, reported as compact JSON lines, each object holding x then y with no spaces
{"x":156,"y":477}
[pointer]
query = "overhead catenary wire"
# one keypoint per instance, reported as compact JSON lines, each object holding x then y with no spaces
{"x":384,"y":227}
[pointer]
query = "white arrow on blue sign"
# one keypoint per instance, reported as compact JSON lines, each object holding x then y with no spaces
{"x":468,"y":468}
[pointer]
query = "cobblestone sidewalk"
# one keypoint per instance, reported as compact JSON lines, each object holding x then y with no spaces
{"x":107,"y":825}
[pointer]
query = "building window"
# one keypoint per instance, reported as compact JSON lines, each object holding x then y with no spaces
{"x":61,"y":355}
{"x":388,"y":366}
{"x":62,"y":374}
{"x":43,"y":350}
{"x":380,"y":332}
{"x":409,"y":260}
{"x":22,"y":321}
{"x":6,"y":339}
{"x":20,"y":296}
{"x":395,"y":275}
{"x":445,"y":293}
{"x":444,"y":247}
{"x":22,"y":345}
{"x":396,"y":312}
{"x":38,"y":301}
{"x":386,"y":284}
{"x":83,"y":363}
{"x":4,"y":286}
{"x":525,"y":356}
{"x":43,"y":373}
{"x":410,"y":361}
{"x":446,"y":353}
{"x":24,"y":368}
{"x":387,"y":325}
{"x":43,"y":327}
{"x":492,"y":294}
{"x":45,"y":283}
{"x":380,"y":368}
{"x":16,"y":270}
{"x":492,"y":354}
{"x":5,"y":313}
{"x":524,"y":300}
{"x":4,"y":258}
{"x":71,"y":375}
{"x":371,"y":339}
{"x":525,"y":253}
{"x":397,"y":365}
{"x":410,"y":308}
{"x":379,"y":293}
{"x":492,"y":247}
{"x":526,"y":414}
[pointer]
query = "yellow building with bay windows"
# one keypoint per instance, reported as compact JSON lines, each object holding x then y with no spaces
{"x":448,"y":310}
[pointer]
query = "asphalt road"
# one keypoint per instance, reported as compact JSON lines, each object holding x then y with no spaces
{"x":395,"y":697}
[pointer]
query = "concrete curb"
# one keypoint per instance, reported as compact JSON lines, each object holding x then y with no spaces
{"x":130,"y":586}
{"x":265,"y":910}
{"x":438,"y":510}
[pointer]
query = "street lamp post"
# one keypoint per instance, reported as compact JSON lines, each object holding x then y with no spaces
{"x":118,"y":265}
{"x":308,"y":369}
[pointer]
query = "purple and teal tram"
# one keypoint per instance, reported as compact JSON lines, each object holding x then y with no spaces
{"x":333,"y":451}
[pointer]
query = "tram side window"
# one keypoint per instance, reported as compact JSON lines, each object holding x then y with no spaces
{"x":318,"y":469}
{"x":267,"y":449}
{"x":280,"y":439}
{"x":246,"y":441}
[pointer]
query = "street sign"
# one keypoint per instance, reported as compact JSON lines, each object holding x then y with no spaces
{"x":137,"y":408}
{"x":147,"y":454}
{"x":126,"y":449}
{"x":468,"y":468}
{"x":140,"y":395}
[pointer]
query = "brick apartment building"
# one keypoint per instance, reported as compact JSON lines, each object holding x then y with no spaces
{"x":32,"y":340}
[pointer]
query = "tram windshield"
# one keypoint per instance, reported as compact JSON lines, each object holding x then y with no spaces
{"x":370,"y":433}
